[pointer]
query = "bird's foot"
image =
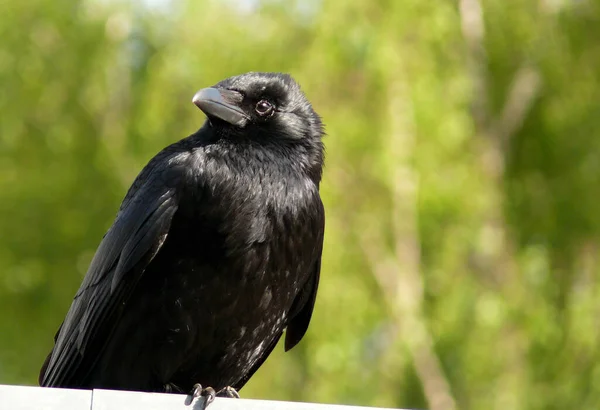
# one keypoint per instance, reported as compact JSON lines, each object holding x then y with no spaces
{"x":209,"y":393}
{"x":229,"y":392}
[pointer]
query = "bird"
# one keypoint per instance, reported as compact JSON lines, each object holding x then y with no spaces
{"x":214,"y":253}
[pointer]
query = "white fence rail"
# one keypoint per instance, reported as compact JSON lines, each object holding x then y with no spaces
{"x":38,"y":398}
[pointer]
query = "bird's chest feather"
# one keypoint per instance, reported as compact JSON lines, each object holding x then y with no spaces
{"x":241,"y":238}
{"x":260,"y":219}
{"x":239,"y":250}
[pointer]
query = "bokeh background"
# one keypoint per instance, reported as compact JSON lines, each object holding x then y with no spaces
{"x":462,"y":184}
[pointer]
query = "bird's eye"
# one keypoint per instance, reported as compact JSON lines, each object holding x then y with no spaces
{"x":264,"y":108}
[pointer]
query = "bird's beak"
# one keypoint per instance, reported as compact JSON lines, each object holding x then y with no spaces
{"x":223,"y":104}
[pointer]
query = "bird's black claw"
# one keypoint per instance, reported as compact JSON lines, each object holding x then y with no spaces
{"x":208,"y":392}
{"x":229,"y":392}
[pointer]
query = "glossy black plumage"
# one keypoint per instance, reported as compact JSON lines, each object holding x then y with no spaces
{"x":215,"y":251}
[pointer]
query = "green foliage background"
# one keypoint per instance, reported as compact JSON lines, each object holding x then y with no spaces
{"x":462,"y":182}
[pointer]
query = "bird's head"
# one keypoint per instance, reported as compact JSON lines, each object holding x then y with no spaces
{"x":265,"y":108}
{"x":268,"y":107}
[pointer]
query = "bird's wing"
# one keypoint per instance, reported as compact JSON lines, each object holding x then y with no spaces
{"x":302,"y":308}
{"x":139,"y":230}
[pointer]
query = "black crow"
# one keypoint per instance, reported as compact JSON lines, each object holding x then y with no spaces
{"x":215,"y":250}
